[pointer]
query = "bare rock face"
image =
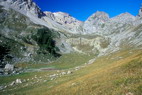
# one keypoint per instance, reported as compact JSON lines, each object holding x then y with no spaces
{"x":65,"y":20}
{"x":124,"y":18}
{"x":95,"y":21}
{"x":9,"y":67}
{"x":33,"y":12}
{"x":18,"y":81}
{"x":24,"y":6}
{"x":50,"y":15}
{"x":140,"y":12}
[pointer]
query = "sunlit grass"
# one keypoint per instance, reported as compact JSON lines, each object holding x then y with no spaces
{"x":115,"y":74}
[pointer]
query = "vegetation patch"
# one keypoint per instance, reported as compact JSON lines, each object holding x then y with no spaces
{"x":44,"y":39}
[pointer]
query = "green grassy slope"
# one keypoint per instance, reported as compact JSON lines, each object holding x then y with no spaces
{"x":116,"y":74}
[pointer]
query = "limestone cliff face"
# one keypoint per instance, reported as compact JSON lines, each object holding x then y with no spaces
{"x":24,"y":6}
{"x":140,"y":12}
{"x":65,"y":20}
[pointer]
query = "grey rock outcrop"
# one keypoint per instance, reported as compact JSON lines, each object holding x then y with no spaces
{"x":95,"y":22}
{"x":65,"y":20}
{"x":24,"y":6}
{"x":140,"y":11}
{"x":109,"y":34}
{"x":18,"y":81}
{"x":9,"y":67}
{"x":33,"y":12}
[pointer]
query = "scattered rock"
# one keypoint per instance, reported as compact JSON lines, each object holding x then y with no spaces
{"x":73,"y":84}
{"x":91,"y":61}
{"x":9,"y":67}
{"x":58,"y":71}
{"x":45,"y":81}
{"x":18,"y":81}
{"x":53,"y":78}
{"x":12,"y":83}
{"x":63,"y":73}
{"x":129,"y":93}
{"x":69,"y":72}
{"x":24,"y":80}
{"x":54,"y":75}
{"x":77,"y":68}
{"x":5,"y":86}
{"x":28,"y":79}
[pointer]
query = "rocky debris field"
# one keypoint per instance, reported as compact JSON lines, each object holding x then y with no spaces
{"x":21,"y":83}
{"x":10,"y":69}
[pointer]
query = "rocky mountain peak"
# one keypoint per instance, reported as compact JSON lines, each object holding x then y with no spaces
{"x":64,"y":19}
{"x":62,"y":14}
{"x":95,"y":22}
{"x":50,"y":15}
{"x":23,"y":6}
{"x":99,"y":15}
{"x":124,"y":18}
{"x":97,"y":18}
{"x":140,"y":11}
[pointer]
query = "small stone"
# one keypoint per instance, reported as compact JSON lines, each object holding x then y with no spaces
{"x":9,"y":67}
{"x":73,"y":84}
{"x":24,"y":80}
{"x":77,"y":68}
{"x":129,"y":93}
{"x":28,"y":79}
{"x":12,"y":83}
{"x":54,"y":75}
{"x":69,"y":72}
{"x":58,"y":71}
{"x":63,"y":73}
{"x":5,"y":86}
{"x":91,"y":61}
{"x":18,"y":81}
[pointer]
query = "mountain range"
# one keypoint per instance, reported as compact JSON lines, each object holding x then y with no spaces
{"x":53,"y":53}
{"x":99,"y":32}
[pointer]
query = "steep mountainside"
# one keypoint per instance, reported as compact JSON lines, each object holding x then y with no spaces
{"x":33,"y":12}
{"x":66,"y":20}
{"x":22,"y":41}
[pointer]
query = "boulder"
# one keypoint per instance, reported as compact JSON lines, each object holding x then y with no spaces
{"x":18,"y":81}
{"x":91,"y":61}
{"x":69,"y":72}
{"x":9,"y":67}
{"x":63,"y":73}
{"x":12,"y":83}
{"x":129,"y":93}
{"x":77,"y":68}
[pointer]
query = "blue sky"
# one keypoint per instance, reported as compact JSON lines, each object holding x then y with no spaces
{"x":82,"y":9}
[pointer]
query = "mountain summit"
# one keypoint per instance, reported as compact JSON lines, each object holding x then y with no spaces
{"x":24,"y":6}
{"x":60,"y":55}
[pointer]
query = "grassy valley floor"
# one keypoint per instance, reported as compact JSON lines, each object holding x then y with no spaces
{"x":118,"y":73}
